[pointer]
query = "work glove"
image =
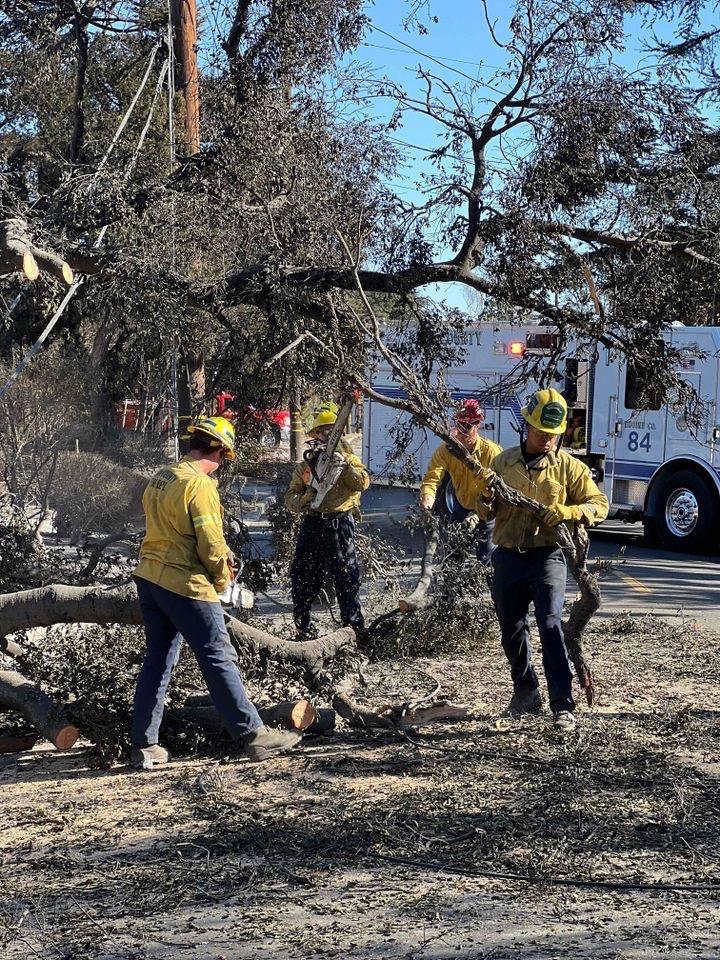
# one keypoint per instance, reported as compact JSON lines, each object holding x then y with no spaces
{"x":485,"y":477}
{"x":561,"y":513}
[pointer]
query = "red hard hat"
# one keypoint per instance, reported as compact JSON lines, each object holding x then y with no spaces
{"x":470,"y":412}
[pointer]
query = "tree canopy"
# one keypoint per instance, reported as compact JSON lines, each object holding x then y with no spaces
{"x":572,"y":184}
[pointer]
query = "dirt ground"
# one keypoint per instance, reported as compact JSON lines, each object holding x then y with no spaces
{"x":463,"y":840}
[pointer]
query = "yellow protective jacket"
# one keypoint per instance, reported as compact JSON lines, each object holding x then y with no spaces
{"x":561,"y":478}
{"x":184,"y":549}
{"x":467,"y":486}
{"x":345,"y":495}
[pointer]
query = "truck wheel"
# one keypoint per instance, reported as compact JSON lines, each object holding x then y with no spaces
{"x":270,"y":435}
{"x":687,"y":513}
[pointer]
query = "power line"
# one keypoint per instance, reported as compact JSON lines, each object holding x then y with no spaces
{"x":427,"y":56}
{"x":470,"y":63}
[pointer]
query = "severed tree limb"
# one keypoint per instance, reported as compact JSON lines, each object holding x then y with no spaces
{"x":59,"y":603}
{"x":396,"y":717}
{"x":290,"y":714}
{"x":586,"y":604}
{"x":418,"y":599}
{"x":10,"y":648}
{"x":48,"y":717}
{"x":18,"y":253}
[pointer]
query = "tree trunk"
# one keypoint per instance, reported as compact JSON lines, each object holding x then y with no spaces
{"x":58,"y":603}
{"x":77,"y":136}
{"x":48,"y":718}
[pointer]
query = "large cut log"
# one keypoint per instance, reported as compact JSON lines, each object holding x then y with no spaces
{"x":58,"y":603}
{"x":290,"y":714}
{"x":18,"y":253}
{"x":48,"y":717}
{"x":10,"y":648}
{"x":396,"y":717}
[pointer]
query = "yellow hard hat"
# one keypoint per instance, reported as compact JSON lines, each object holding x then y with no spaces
{"x":546,"y":411}
{"x":221,"y":432}
{"x":325,"y":415}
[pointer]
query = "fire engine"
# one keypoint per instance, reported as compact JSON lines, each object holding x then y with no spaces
{"x":653,"y":465}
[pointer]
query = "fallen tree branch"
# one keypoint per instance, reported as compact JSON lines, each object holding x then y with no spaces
{"x":397,"y":717}
{"x":418,"y":599}
{"x":47,"y":717}
{"x":59,"y":603}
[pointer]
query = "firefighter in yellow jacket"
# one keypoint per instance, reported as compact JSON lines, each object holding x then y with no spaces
{"x":184,"y":567}
{"x":528,"y":566}
{"x":449,"y":488}
{"x":326,"y":540}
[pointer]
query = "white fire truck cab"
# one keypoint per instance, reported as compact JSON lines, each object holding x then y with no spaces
{"x":651,"y":464}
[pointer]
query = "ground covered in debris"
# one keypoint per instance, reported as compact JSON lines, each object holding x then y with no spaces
{"x":466,"y":839}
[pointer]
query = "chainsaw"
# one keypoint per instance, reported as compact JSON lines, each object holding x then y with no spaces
{"x":325,"y":462}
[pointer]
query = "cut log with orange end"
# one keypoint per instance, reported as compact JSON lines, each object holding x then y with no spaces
{"x":290,"y":714}
{"x":48,"y":717}
{"x":293,"y":715}
{"x":30,"y":268}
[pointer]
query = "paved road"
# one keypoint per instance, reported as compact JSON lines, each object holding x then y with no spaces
{"x":643,"y":580}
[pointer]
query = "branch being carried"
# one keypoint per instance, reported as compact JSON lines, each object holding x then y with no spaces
{"x":420,"y":406}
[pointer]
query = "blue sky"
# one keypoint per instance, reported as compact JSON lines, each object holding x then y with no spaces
{"x":459,"y":43}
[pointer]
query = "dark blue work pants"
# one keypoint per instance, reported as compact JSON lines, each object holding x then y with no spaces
{"x":537,"y":576}
{"x":168,"y":618}
{"x":326,"y":543}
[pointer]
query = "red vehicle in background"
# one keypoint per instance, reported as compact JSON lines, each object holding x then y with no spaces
{"x":272,"y":426}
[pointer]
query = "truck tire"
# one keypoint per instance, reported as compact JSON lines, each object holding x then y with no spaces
{"x":270,"y":436}
{"x":687,"y":516}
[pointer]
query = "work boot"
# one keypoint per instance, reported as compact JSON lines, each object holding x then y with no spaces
{"x":564,"y":721}
{"x":145,"y":758}
{"x":265,"y":743}
{"x":522,"y":702}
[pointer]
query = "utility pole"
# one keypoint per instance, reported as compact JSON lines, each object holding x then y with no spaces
{"x":185,"y":35}
{"x":183,"y":14}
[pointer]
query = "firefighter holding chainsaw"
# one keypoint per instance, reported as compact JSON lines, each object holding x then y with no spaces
{"x":326,"y":541}
{"x":449,"y":488}
{"x":528,"y":565}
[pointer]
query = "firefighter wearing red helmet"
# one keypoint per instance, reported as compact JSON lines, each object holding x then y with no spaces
{"x":449,"y":488}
